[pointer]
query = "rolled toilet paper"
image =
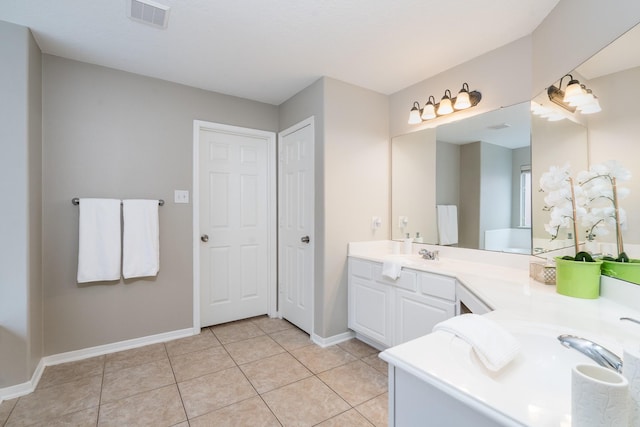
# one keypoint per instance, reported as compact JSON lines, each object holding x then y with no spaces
{"x":631,"y":371}
{"x":599,"y":397}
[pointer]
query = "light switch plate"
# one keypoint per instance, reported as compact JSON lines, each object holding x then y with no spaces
{"x":181,"y":196}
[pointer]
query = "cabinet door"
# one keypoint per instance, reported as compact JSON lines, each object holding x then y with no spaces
{"x":371,"y":310}
{"x":416,"y":315}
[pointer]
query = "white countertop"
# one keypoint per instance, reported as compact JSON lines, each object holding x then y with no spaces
{"x":523,"y":306}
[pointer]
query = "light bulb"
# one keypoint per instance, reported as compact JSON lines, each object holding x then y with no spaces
{"x":572,"y":92}
{"x":462,"y":100}
{"x":591,"y":107}
{"x":429,"y":110}
{"x":445,"y":106}
{"x":414,"y":114}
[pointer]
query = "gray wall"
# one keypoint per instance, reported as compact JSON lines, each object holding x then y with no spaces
{"x":109,"y":133}
{"x":495,"y":191}
{"x":469,"y":209}
{"x":519,"y":157}
{"x":356,"y":186}
{"x":20,"y":182}
{"x":447,"y":174}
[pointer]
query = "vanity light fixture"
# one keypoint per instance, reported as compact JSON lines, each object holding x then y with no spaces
{"x":447,"y":105}
{"x":576,"y":96}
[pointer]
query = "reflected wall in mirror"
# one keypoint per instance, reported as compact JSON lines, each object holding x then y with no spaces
{"x":479,"y":164}
{"x":613,"y":75}
{"x":554,"y":143}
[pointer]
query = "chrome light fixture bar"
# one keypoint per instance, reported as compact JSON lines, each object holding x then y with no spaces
{"x":447,"y":105}
{"x":576,"y":96}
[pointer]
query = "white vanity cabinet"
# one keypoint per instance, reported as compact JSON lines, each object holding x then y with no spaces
{"x":391,"y":312}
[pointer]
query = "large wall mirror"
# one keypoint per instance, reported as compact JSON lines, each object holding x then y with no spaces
{"x":481,"y":166}
{"x":613,"y":75}
{"x":467,"y":163}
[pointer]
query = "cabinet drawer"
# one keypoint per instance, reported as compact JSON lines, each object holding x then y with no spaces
{"x":361,"y":268}
{"x":438,"y":286}
{"x":407,"y":279}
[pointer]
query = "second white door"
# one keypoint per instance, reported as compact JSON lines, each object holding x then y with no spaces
{"x":296,"y":224}
{"x":237,"y":238}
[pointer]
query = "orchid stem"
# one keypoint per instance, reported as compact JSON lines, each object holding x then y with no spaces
{"x":573,"y":206}
{"x":617,"y":216}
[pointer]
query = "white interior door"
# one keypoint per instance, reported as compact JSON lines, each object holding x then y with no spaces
{"x":296,"y":223}
{"x":236,"y":223}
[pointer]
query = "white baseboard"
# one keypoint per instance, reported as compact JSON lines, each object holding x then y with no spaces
{"x":18,"y":390}
{"x":371,"y":342}
{"x":86,"y":353}
{"x":335,"y":339}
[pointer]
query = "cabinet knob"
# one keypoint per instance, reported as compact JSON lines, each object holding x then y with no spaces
{"x":204,"y":238}
{"x":305,"y":239}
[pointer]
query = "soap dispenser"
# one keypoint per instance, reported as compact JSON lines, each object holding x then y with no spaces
{"x":408,"y":247}
{"x":418,"y":238}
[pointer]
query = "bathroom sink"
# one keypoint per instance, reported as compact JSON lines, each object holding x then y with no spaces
{"x":540,"y":376}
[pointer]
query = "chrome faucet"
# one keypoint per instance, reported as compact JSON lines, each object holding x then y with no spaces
{"x":601,"y":355}
{"x":427,"y":254}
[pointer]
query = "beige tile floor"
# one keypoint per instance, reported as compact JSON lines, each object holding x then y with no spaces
{"x":254,"y":372}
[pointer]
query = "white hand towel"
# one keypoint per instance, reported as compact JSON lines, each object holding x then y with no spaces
{"x":493,"y":345}
{"x":391,"y":268}
{"x":99,"y":240}
{"x":447,"y":224}
{"x":141,"y":238}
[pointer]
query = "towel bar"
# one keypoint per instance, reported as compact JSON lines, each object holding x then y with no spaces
{"x":76,"y":201}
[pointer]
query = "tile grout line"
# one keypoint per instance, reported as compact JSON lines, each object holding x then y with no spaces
{"x":173,"y":372}
{"x":243,"y":374}
{"x":104,"y":368}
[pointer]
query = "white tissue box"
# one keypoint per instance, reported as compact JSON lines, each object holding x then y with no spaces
{"x":543,"y":273}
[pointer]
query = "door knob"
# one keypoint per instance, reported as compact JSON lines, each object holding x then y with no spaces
{"x":204,"y":238}
{"x":305,"y":239}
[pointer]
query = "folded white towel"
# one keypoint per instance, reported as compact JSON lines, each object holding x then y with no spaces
{"x":391,"y":268}
{"x":493,"y":344}
{"x":447,"y":224}
{"x":141,"y":241}
{"x":99,"y":240}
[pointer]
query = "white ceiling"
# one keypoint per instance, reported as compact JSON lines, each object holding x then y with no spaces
{"x":508,"y":127}
{"x":268,"y":50}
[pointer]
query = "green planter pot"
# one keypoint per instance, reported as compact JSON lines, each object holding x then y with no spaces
{"x":629,"y":271}
{"x":578,"y":279}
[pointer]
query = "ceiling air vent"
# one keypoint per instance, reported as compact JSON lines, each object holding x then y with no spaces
{"x":149,"y":12}
{"x":499,"y":126}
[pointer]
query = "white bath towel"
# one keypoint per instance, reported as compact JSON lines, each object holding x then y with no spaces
{"x":99,"y":240}
{"x":141,"y":238}
{"x":391,"y":268}
{"x":493,"y":344}
{"x":447,"y":224}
